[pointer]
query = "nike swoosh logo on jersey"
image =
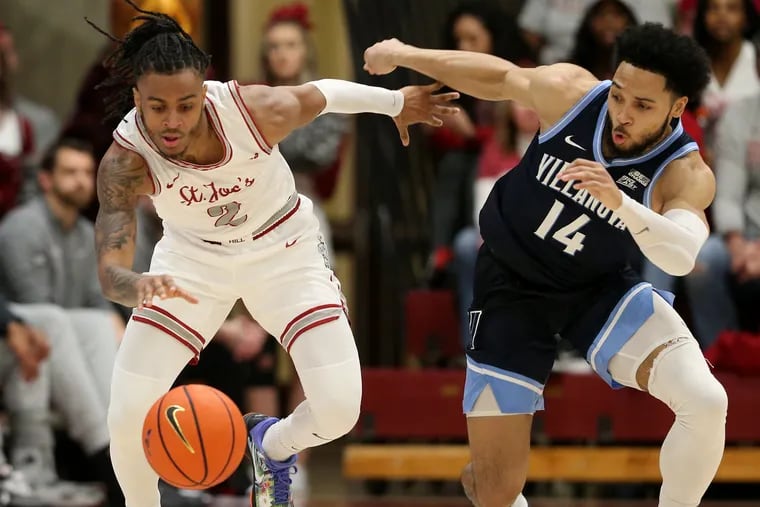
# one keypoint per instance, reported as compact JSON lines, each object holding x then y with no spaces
{"x":171,"y":416}
{"x":290,"y":243}
{"x":569,"y":140}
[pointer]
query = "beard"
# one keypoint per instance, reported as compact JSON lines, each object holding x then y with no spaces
{"x":636,"y":149}
{"x":78,"y":198}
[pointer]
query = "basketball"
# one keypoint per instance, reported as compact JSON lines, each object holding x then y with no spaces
{"x":194,"y":437}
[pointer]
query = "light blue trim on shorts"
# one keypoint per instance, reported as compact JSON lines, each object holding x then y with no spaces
{"x":514,"y":393}
{"x":633,"y":309}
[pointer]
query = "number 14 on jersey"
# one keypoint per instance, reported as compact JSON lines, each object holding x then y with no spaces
{"x":569,"y":234}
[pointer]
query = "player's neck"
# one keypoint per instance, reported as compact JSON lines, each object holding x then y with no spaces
{"x":65,"y":214}
{"x":204,"y":144}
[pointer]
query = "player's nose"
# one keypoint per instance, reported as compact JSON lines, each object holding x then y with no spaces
{"x":623,"y":117}
{"x":172,"y":121}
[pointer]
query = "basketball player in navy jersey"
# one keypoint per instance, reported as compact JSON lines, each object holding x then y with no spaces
{"x":610,"y":175}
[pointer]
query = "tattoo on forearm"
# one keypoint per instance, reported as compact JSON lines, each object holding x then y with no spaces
{"x":122,"y":285}
{"x":119,"y":179}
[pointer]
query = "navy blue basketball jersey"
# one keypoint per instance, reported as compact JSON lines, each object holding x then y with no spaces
{"x":554,"y":236}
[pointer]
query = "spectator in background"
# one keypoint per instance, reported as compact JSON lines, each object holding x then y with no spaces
{"x":724,"y":28}
{"x":47,"y":255}
{"x":729,"y":262}
{"x":481,"y":27}
{"x":686,"y":14}
{"x":602,"y":23}
{"x":47,"y":249}
{"x":288,"y":57}
{"x":42,"y":124}
{"x":550,"y":25}
{"x":16,"y":137}
{"x":33,"y":333}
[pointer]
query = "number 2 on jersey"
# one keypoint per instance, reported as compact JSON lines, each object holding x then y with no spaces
{"x":225,"y":214}
{"x":567,"y":235}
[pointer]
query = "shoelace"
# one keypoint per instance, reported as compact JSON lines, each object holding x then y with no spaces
{"x":281,"y":481}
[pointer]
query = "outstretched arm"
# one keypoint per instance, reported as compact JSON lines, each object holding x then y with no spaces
{"x":286,"y":108}
{"x":122,"y":177}
{"x":550,"y":90}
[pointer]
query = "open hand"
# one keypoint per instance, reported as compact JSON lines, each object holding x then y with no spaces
{"x":163,"y":286}
{"x":594,"y":178}
{"x":423,"y":105}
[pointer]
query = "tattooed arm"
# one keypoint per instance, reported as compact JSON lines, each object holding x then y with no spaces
{"x":122,"y":177}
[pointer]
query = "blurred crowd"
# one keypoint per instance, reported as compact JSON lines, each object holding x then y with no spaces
{"x":61,"y":335}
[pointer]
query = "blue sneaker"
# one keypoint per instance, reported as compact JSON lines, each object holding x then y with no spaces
{"x":271,"y":479}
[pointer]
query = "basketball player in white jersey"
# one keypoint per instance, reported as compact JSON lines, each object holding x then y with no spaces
{"x":234,"y":227}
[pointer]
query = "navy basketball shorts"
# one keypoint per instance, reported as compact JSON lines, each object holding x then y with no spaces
{"x":515,"y":327}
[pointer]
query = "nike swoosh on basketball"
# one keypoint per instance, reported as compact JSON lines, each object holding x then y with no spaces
{"x":569,"y":140}
{"x":171,"y":416}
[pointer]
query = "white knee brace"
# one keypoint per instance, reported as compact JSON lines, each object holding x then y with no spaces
{"x":681,"y":379}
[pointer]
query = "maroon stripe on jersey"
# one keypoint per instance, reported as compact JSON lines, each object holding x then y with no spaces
{"x":250,"y":122}
{"x":310,"y":326}
{"x":280,"y":221}
{"x":178,"y":321}
{"x":306,"y":314}
{"x":216,"y":124}
{"x":168,"y":331}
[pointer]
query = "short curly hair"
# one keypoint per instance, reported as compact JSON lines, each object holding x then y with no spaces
{"x":678,"y":58}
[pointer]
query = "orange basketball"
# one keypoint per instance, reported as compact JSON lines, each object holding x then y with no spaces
{"x":194,"y":437}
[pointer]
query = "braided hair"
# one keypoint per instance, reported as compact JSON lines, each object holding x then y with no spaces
{"x":158,"y":44}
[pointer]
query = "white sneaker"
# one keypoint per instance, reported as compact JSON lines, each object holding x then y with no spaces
{"x":13,"y":485}
{"x":46,"y":488}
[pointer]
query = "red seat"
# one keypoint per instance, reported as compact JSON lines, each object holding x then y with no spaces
{"x":403,"y":404}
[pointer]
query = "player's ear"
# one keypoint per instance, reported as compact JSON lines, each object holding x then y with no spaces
{"x":136,"y":97}
{"x":45,"y":180}
{"x":203,"y":95}
{"x":679,"y":106}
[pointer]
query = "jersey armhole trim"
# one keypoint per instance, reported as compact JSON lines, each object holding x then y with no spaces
{"x":680,"y":152}
{"x":250,"y":122}
{"x":123,"y":143}
{"x":574,"y":111}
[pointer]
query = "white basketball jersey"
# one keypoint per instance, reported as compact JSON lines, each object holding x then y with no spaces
{"x":237,"y":199}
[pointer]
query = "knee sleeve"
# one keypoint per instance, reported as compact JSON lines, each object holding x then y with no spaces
{"x":682,"y":380}
{"x":334,"y":393}
{"x":327,"y":363}
{"x":131,"y":397}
